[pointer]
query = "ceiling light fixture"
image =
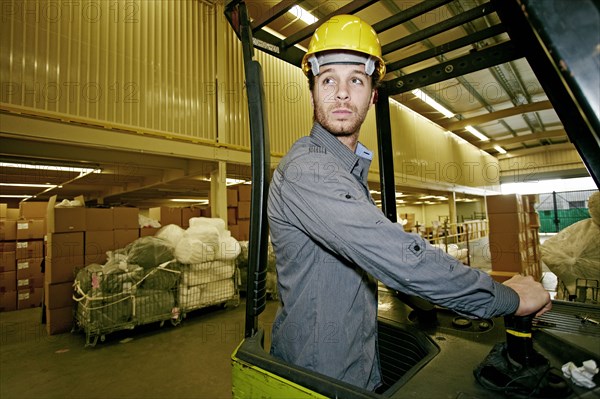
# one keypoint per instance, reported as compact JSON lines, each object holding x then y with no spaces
{"x":16,"y":196}
{"x":476,"y":133}
{"x":303,"y":14}
{"x":437,"y":106}
{"x":28,"y":185}
{"x":499,"y":149}
{"x":194,"y":200}
{"x":49,"y":167}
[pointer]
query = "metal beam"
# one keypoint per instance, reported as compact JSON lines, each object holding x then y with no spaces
{"x":273,"y":13}
{"x":528,"y":137}
{"x":494,"y":116}
{"x":410,"y":13}
{"x":454,"y":68}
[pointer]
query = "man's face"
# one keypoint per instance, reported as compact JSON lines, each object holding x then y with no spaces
{"x":341,"y":97}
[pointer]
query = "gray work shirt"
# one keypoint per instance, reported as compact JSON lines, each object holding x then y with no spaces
{"x":331,"y":243}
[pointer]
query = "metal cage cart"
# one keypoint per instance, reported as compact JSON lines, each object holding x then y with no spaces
{"x":124,"y":299}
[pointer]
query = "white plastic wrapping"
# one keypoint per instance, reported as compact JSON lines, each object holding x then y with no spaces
{"x":171,"y":233}
{"x":574,"y":253}
{"x":207,"y":272}
{"x":218,"y":223}
{"x":191,"y":250}
{"x":205,"y":294}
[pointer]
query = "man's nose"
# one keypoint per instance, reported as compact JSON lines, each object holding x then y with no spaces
{"x":342,"y":93}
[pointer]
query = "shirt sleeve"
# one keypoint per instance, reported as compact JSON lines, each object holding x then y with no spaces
{"x":330,"y":206}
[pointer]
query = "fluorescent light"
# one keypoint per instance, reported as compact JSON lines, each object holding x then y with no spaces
{"x":304,"y":15}
{"x":198,"y":200}
{"x":16,"y":196}
{"x":428,"y":100}
{"x":499,"y":149}
{"x":49,"y":167}
{"x":476,"y":133}
{"x":28,"y":185}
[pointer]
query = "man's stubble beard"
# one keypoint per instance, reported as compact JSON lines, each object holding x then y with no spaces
{"x":321,"y":113}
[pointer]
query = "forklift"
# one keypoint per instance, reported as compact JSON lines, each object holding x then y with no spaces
{"x":428,"y":351}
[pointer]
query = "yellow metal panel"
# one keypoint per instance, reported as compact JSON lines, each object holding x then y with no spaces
{"x":141,"y":64}
{"x":249,"y":381}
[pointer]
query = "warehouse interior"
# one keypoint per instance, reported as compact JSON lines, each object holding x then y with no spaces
{"x":143,"y":106}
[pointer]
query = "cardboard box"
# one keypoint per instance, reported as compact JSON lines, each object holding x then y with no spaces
{"x":8,"y":246}
{"x":30,"y":249}
{"x":99,"y":242}
{"x":29,"y":298}
{"x":510,"y":203}
{"x":8,"y":262}
{"x":58,"y":295}
{"x":502,"y":276}
{"x":29,"y":268}
{"x":32,"y":210}
{"x":3,"y":211}
{"x":512,"y":242}
{"x":8,"y":229}
{"x":148,"y":231}
{"x":231,"y":216}
{"x":59,"y":320}
{"x":61,"y":245}
{"x":244,"y":230}
{"x":62,"y":270}
{"x":32,"y":229}
{"x":235,"y":231}
{"x":30,"y":282}
{"x":166,"y":215}
{"x":12,"y":213}
{"x":506,"y":222}
{"x":187,"y":214}
{"x":125,"y":218}
{"x":8,"y":281}
{"x":232,"y":197}
{"x":125,"y":237}
{"x":99,"y":219}
{"x":8,"y":301}
{"x":508,"y":261}
{"x":67,"y":219}
{"x":244,"y":192}
{"x":206,"y":212}
{"x":243,"y":210}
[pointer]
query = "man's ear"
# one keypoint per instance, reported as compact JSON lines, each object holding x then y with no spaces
{"x":374,"y":97}
{"x":312,"y":100}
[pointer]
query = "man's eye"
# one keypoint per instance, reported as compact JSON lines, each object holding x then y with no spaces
{"x":328,"y":81}
{"x":357,"y":81}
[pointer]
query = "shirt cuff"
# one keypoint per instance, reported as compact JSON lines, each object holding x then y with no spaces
{"x":507,"y":300}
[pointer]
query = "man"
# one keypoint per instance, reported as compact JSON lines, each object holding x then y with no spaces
{"x":331,"y":241}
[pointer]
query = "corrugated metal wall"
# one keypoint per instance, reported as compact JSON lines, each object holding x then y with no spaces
{"x":152,"y":66}
{"x":144,"y":65}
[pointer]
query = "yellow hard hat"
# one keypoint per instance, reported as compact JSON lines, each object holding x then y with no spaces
{"x":346,"y":33}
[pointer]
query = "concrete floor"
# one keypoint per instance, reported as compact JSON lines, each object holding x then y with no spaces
{"x":191,"y":360}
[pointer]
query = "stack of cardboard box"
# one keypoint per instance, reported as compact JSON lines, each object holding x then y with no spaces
{"x":31,"y":229}
{"x":238,"y":211}
{"x":511,"y":241}
{"x":8,"y":259}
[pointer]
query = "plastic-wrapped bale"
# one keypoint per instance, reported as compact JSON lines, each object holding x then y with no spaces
{"x":153,"y":305}
{"x":217,"y":223}
{"x":206,"y":294}
{"x":105,"y":314}
{"x":207,"y":272}
{"x":164,"y":277}
{"x":171,"y":233}
{"x":149,"y":252}
{"x":192,"y":250}
{"x":228,"y":249}
{"x":118,"y":280}
{"x":573,"y":253}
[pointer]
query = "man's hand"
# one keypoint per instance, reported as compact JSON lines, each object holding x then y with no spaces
{"x":532,"y":295}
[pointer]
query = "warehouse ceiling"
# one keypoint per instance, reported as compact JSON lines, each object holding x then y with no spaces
{"x":504,"y":101}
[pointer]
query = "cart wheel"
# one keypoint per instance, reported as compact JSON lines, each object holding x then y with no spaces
{"x":162,"y":323}
{"x":102,"y":338}
{"x":94,"y":341}
{"x":176,"y":322}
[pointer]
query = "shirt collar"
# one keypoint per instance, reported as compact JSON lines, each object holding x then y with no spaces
{"x":337,"y":148}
